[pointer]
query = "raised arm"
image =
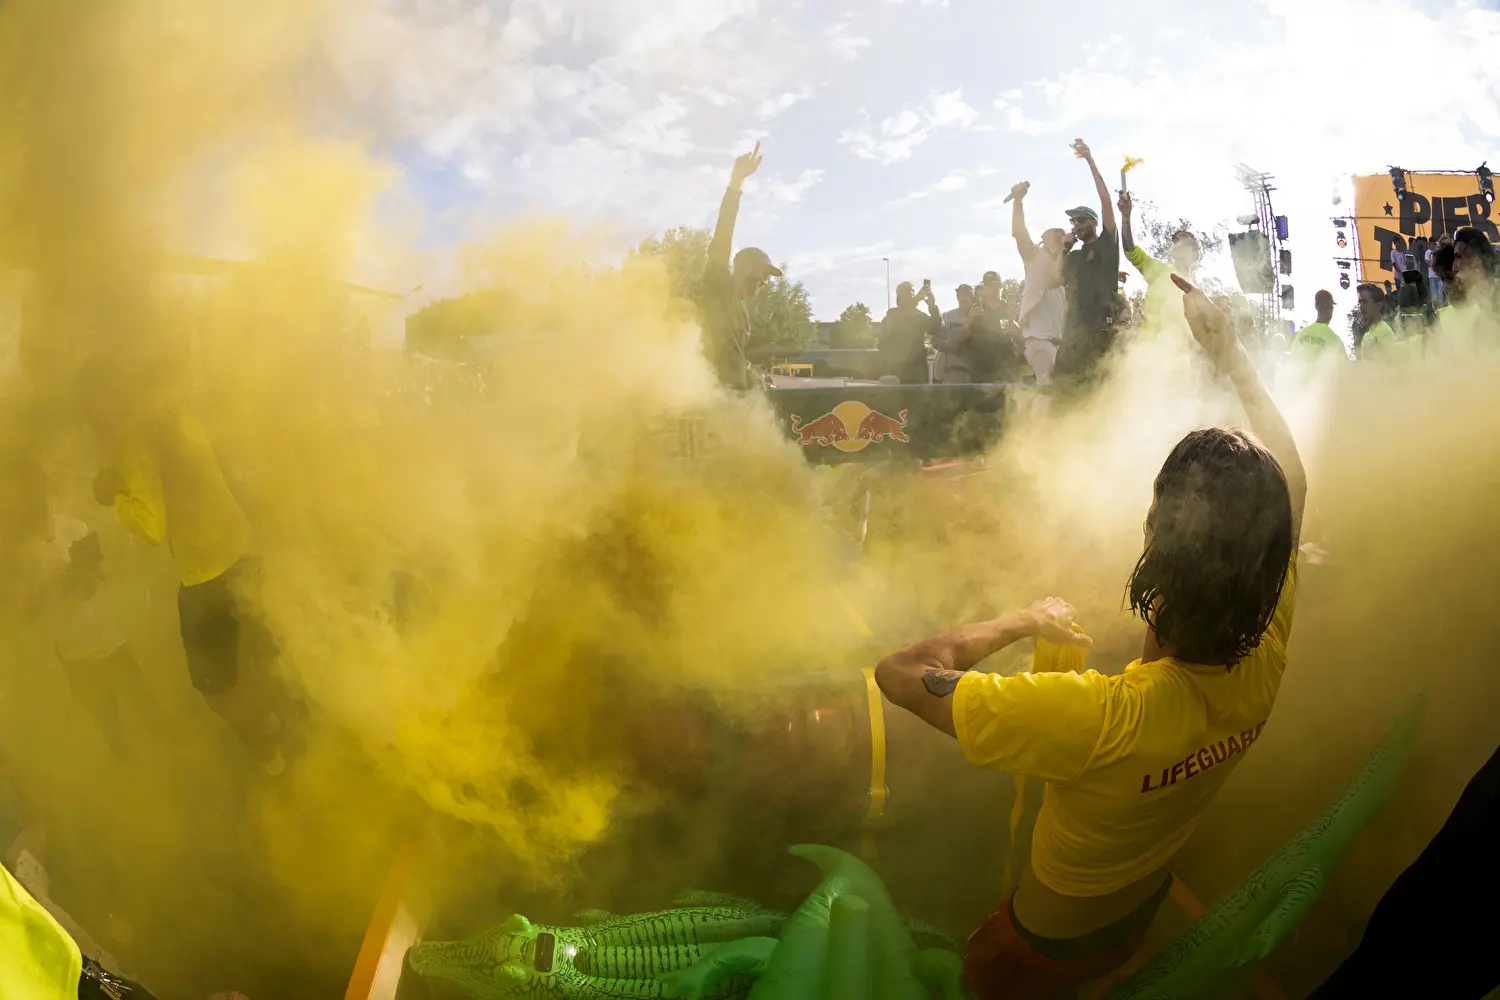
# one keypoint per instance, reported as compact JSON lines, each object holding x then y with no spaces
{"x":935,"y":315}
{"x":1127,"y":205}
{"x":1215,"y":333}
{"x":921,"y":678}
{"x":1018,"y":228}
{"x":729,"y":209}
{"x":1106,"y":205}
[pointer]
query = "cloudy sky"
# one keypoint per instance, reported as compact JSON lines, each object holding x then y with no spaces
{"x":892,"y":128}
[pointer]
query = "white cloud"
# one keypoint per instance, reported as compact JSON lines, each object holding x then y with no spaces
{"x":898,"y":135}
{"x":773,"y":106}
{"x":793,"y":190}
{"x":843,"y":42}
{"x":955,"y":180}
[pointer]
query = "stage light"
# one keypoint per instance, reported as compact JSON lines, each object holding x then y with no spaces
{"x":1398,"y":182}
{"x":1340,"y":223}
{"x":1343,"y":243}
{"x":1486,"y":181}
{"x":1344,"y":282}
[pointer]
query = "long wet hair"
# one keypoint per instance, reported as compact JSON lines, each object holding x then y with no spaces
{"x":1219,"y":542}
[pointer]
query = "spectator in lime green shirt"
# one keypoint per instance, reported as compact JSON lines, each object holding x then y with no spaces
{"x":1162,"y":312}
{"x":1317,"y":340}
{"x":1374,"y":337}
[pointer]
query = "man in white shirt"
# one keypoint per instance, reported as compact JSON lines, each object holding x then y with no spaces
{"x":1044,"y":304}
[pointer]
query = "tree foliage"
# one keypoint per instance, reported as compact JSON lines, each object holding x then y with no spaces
{"x":856,"y":327}
{"x":1154,"y":231}
{"x":780,"y":313}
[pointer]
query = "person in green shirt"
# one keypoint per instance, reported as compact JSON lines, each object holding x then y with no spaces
{"x":1317,"y":340}
{"x":1379,"y":339}
{"x":1162,"y":313}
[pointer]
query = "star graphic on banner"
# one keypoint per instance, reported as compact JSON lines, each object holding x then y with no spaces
{"x":1389,"y":208}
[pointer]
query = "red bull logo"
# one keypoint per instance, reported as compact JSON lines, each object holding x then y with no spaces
{"x":851,"y":426}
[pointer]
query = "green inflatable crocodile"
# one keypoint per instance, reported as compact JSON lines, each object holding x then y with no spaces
{"x":845,"y":942}
{"x":618,"y":956}
{"x":1219,"y":953}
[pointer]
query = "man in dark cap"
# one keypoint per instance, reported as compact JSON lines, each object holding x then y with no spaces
{"x":727,"y":291}
{"x":1091,"y":275}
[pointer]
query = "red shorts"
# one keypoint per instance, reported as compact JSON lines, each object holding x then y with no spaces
{"x":1007,"y":962}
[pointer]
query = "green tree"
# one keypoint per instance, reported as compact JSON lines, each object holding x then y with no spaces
{"x":780,"y":313}
{"x":856,"y":327}
{"x":1011,"y":290}
{"x":1154,"y":232}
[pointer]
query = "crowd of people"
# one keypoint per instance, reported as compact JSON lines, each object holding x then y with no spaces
{"x":1131,"y":760}
{"x":1072,"y":312}
{"x":1216,"y":630}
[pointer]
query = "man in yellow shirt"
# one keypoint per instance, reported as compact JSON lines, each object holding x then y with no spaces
{"x":1130,"y":760}
{"x":162,"y":477}
{"x":1317,"y":341}
{"x":1162,"y":313}
{"x":1467,"y":265}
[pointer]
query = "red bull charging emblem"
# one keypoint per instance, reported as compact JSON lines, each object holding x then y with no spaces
{"x":850,"y":426}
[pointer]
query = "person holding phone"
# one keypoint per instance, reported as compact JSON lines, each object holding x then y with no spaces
{"x":904,"y":333}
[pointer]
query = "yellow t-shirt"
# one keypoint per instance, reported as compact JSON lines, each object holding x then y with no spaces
{"x":1130,"y":761}
{"x":1162,"y":313}
{"x":177,"y":493}
{"x":1317,"y":340}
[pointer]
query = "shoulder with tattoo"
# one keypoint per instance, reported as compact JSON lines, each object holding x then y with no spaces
{"x":941,"y":683}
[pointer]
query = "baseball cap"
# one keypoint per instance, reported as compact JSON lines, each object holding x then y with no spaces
{"x":755,"y":255}
{"x":1083,"y":211}
{"x":991,"y":278}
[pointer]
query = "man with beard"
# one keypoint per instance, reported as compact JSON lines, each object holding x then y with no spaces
{"x":1091,"y":275}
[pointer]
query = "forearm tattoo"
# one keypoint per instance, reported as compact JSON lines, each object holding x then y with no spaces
{"x":940,"y":683}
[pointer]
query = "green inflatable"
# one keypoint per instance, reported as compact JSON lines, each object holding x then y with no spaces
{"x":711,"y":948}
{"x":845,"y":942}
{"x":1218,"y":954}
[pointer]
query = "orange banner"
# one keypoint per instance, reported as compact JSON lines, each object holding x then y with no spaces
{"x":1434,"y":204}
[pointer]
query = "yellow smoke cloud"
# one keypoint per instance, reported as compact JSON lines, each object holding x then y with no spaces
{"x":477,"y":599}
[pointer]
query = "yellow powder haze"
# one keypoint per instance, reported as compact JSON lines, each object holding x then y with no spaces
{"x":560,"y":566}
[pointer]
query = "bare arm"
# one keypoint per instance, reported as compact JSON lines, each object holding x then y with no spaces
{"x":1212,"y":329}
{"x":1106,"y":206}
{"x":921,"y":678}
{"x":1127,"y":238}
{"x":729,"y":210}
{"x":935,"y":326}
{"x":1018,"y":229}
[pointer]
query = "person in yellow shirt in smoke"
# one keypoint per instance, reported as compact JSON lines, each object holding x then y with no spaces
{"x":1470,"y":271}
{"x":1162,"y":314}
{"x":1130,"y":760}
{"x":1317,"y":341}
{"x":162,"y":477}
